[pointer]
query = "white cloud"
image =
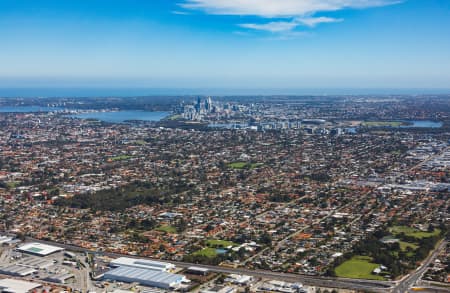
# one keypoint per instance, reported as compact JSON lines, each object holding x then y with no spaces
{"x":288,"y":26}
{"x":289,"y":35}
{"x":180,"y":12}
{"x":279,"y":8}
{"x":313,"y":21}
{"x":290,"y":14}
{"x":274,"y":27}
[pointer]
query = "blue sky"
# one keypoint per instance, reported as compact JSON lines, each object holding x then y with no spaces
{"x":225,"y":43}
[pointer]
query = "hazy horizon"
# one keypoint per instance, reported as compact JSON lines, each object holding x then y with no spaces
{"x":49,"y":92}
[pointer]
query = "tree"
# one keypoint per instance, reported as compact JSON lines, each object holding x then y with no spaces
{"x":181,"y":225}
{"x":266,"y":239}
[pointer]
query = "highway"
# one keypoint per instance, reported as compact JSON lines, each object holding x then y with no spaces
{"x":410,"y":280}
{"x":343,"y":283}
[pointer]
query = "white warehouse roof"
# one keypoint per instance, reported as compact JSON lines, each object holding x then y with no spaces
{"x":144,"y":277}
{"x":39,"y":249}
{"x":17,"y":286}
{"x":142,"y":264}
{"x":15,"y":270}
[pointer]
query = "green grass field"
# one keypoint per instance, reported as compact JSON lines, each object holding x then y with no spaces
{"x":237,"y":165}
{"x":219,"y":243}
{"x":243,"y":165}
{"x":382,"y":123}
{"x":167,"y":229}
{"x":207,"y":252}
{"x":121,"y":158}
{"x":359,"y":267}
{"x":404,"y":245}
{"x":408,"y":231}
{"x":12,"y":184}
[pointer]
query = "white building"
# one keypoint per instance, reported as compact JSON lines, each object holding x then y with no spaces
{"x":145,"y":277}
{"x":39,"y":249}
{"x":142,"y":264}
{"x":17,"y":286}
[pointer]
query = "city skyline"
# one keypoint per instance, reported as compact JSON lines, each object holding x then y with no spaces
{"x":320,"y":44}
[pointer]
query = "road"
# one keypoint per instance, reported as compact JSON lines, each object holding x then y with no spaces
{"x":428,"y":159}
{"x":410,"y":280}
{"x":358,"y":284}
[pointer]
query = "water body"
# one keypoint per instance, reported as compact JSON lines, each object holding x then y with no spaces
{"x":423,"y":124}
{"x":123,"y":116}
{"x":411,"y":124}
{"x":28,"y":109}
{"x":229,"y":125}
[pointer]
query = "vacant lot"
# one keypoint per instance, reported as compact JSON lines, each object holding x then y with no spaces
{"x":359,"y":267}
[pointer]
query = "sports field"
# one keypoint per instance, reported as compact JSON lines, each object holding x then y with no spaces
{"x":219,"y":243}
{"x":382,"y":123}
{"x":243,"y":165}
{"x":207,"y":252}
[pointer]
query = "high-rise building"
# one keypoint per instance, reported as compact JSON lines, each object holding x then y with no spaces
{"x":208,"y":105}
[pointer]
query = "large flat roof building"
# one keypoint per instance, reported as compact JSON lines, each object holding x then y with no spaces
{"x":39,"y":249}
{"x":15,"y":270}
{"x":197,"y":271}
{"x":142,"y":264}
{"x":146,"y":277}
{"x":17,"y":286}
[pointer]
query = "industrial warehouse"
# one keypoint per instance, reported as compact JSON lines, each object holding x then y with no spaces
{"x":17,"y":286}
{"x":146,"y":277}
{"x":145,"y":272}
{"x":15,"y":270}
{"x":142,"y":264}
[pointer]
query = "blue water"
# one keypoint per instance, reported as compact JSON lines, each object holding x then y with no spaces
{"x":228,"y":125}
{"x":27,"y":109}
{"x":423,"y":124}
{"x":414,"y":123}
{"x":122,"y":116}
